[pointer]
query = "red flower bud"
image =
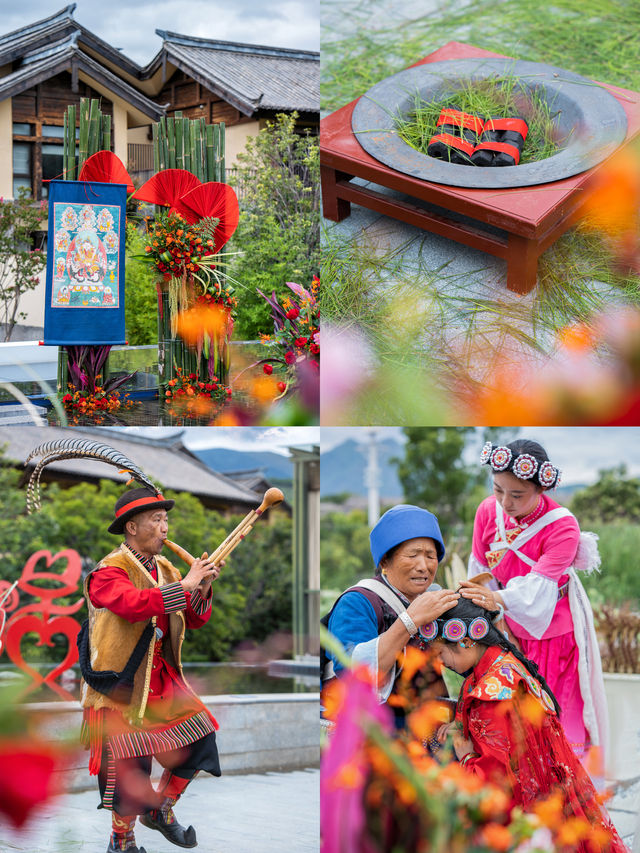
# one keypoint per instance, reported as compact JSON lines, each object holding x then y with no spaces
{"x":282,"y":387}
{"x":268,"y":369}
{"x":289,"y":357}
{"x":292,"y":314}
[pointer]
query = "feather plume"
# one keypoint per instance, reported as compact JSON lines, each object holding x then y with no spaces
{"x":78,"y":448}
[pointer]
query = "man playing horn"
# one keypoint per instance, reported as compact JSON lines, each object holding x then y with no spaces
{"x":137,"y":704}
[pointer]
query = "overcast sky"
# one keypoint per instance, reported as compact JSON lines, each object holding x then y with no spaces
{"x":131,"y":26}
{"x":255,"y":439}
{"x":580,"y":452}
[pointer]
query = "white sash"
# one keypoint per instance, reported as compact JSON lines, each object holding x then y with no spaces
{"x":595,"y":715}
{"x":526,"y":534}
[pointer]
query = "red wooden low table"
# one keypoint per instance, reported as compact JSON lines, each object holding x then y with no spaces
{"x":530,"y":218}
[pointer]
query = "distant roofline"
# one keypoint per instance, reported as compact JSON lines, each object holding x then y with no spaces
{"x":238,"y":47}
{"x":66,"y":13}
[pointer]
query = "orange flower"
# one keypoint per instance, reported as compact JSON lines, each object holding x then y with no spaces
{"x":414,"y":660}
{"x":550,"y":810}
{"x":461,"y":779}
{"x":577,"y":337}
{"x":494,"y":803}
{"x":613,"y":204}
{"x":425,"y":720}
{"x":532,"y":710}
{"x":497,"y":837}
{"x":572,"y":831}
{"x":264,"y":389}
{"x":333,"y":696}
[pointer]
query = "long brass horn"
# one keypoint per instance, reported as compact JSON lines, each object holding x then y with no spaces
{"x":272,"y":497}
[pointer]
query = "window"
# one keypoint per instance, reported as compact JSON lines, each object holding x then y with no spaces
{"x":37,"y":156}
{"x":22,"y":175}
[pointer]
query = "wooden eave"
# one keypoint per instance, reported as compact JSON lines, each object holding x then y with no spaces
{"x":71,"y":59}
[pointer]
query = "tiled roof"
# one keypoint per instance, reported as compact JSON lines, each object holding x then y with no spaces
{"x":251,"y":77}
{"x":173,"y":467}
{"x":55,"y":44}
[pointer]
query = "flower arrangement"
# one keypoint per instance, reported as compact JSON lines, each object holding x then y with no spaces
{"x":93,"y":403}
{"x":296,"y":334}
{"x":189,"y":397}
{"x":88,"y":395}
{"x":382,"y":792}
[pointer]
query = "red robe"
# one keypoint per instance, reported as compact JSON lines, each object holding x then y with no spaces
{"x":517,"y":737}
{"x":174,"y":715}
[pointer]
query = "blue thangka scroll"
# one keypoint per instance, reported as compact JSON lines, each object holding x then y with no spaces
{"x":84,"y":294}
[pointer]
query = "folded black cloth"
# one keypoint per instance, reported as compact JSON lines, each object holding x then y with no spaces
{"x":117,"y":685}
{"x":457,"y":136}
{"x":501,"y":142}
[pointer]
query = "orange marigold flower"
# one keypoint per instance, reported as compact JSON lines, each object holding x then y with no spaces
{"x":497,"y":837}
{"x":425,"y":720}
{"x":550,"y":810}
{"x":414,"y":660}
{"x":577,"y":337}
{"x":572,"y":831}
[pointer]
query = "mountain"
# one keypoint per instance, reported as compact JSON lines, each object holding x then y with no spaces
{"x":342,"y":469}
{"x":272,"y":465}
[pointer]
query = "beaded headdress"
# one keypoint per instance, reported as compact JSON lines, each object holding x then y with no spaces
{"x":524,"y":465}
{"x":456,"y":629}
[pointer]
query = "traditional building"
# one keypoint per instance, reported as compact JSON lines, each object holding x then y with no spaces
{"x":54,"y":62}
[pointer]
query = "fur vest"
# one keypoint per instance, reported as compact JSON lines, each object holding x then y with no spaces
{"x":112,"y":639}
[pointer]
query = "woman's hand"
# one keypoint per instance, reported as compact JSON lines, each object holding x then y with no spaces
{"x":461,"y":745}
{"x":480,"y":595}
{"x":443,"y":730}
{"x":429,"y":605}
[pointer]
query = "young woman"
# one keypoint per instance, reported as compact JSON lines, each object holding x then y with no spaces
{"x":529,"y":544}
{"x":507,"y":726}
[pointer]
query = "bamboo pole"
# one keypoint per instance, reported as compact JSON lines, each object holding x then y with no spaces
{"x":171,"y":142}
{"x":106,"y":133}
{"x":84,"y":132}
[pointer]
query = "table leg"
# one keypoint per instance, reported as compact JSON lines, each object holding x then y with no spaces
{"x":333,"y":208}
{"x":522,"y":264}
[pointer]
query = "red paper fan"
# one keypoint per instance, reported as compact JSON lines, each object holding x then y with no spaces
{"x":105,"y":168}
{"x":167,"y":187}
{"x":212,"y":199}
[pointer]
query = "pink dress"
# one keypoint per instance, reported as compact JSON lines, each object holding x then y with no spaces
{"x":536,"y":600}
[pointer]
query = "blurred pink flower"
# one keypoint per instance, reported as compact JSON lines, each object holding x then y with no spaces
{"x":344,"y":766}
{"x":346,"y":366}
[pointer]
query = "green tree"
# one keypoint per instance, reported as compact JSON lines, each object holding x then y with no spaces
{"x":141,"y":311}
{"x":434,"y":475}
{"x":20,"y":263}
{"x":614,"y":497}
{"x":344,"y":550}
{"x":278,"y":236}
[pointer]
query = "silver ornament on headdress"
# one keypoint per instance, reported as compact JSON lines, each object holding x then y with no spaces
{"x":78,"y":448}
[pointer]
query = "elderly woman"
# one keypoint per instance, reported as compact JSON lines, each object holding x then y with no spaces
{"x":378,"y":618}
{"x":529,"y":544}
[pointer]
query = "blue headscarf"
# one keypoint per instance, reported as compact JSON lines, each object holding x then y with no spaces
{"x":400,"y":523}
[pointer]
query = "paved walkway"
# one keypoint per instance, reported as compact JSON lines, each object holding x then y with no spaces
{"x":254,"y":813}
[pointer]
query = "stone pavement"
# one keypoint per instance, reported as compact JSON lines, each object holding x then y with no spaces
{"x":249,"y":813}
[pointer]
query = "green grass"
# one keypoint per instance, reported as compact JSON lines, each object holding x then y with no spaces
{"x":407,"y":311}
{"x":498,"y":97}
{"x":595,"y":38}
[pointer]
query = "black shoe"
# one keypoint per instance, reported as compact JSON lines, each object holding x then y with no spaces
{"x":174,"y":832}
{"x":111,"y":849}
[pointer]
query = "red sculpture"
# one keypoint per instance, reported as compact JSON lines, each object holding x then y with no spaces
{"x":36,"y":616}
